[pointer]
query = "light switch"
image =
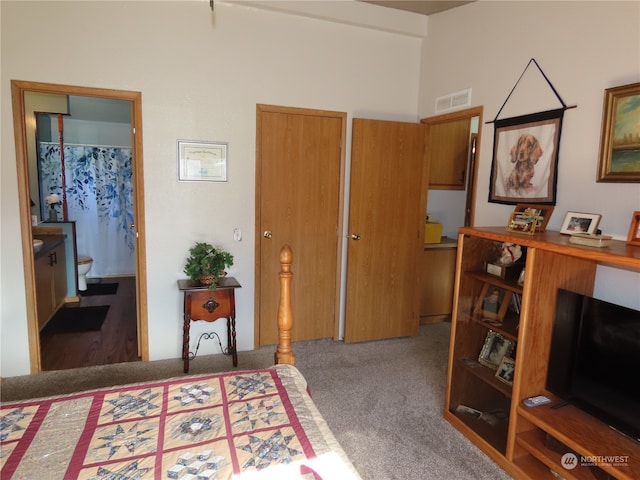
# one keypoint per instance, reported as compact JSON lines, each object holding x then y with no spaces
{"x":237,"y":234}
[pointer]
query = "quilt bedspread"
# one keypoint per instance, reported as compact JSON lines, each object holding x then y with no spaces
{"x":249,"y":424}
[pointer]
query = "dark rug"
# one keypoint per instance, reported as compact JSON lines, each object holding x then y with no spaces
{"x":76,"y":319}
{"x":100,"y":289}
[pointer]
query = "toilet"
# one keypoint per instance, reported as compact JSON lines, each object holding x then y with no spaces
{"x":84,"y":265}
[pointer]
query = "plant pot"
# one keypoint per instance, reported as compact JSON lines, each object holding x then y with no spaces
{"x":208,"y":279}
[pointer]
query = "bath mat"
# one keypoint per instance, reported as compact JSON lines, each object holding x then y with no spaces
{"x":76,"y":319}
{"x":100,"y":289}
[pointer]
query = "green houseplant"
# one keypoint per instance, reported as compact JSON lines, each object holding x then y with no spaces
{"x":206,"y":263}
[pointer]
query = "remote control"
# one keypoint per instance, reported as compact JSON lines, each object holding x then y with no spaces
{"x":536,"y":401}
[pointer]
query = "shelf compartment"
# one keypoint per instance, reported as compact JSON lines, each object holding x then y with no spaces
{"x":508,"y":328}
{"x":495,"y":435}
{"x":493,"y":280}
{"x":585,"y":435}
{"x":533,"y":442}
{"x":485,"y":374}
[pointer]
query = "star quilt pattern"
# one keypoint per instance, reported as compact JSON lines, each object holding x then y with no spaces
{"x":191,"y":428}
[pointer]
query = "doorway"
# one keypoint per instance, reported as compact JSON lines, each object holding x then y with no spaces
{"x":26,"y":197}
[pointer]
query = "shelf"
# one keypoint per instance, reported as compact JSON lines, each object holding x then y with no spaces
{"x":497,"y":281}
{"x":485,"y":374}
{"x":495,"y":435}
{"x":508,"y":328}
{"x":533,"y":442}
{"x":586,"y":435}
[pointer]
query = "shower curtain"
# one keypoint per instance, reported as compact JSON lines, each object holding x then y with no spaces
{"x":99,"y":198}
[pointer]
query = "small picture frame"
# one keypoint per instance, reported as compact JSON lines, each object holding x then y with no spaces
{"x":634,"y":230}
{"x":495,"y":348}
{"x":542,"y":211}
{"x":505,"y":370}
{"x":202,"y":161}
{"x":523,"y":222}
{"x":580,"y":223}
{"x":492,"y":304}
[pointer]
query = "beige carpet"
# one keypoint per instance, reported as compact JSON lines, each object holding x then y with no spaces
{"x":383,"y":400}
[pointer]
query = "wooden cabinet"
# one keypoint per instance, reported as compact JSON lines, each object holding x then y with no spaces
{"x":510,"y":433}
{"x":448,"y":150}
{"x":437,"y":271}
{"x":51,"y":280}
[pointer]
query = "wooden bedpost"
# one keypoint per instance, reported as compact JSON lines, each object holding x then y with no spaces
{"x":284,"y":352}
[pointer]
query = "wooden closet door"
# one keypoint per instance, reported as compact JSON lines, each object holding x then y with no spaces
{"x":298,"y":185}
{"x":386,"y":229}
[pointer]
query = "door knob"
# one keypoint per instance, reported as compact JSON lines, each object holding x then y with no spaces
{"x":355,"y":236}
{"x":267,"y":234}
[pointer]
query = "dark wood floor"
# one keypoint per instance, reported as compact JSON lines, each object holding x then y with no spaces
{"x":116,"y":342}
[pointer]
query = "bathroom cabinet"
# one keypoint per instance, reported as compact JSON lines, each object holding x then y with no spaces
{"x":51,"y":278}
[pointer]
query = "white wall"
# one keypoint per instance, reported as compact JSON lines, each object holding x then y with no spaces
{"x":583,"y":48}
{"x":201,"y":75}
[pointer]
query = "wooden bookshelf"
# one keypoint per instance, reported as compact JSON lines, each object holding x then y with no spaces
{"x":519,"y":444}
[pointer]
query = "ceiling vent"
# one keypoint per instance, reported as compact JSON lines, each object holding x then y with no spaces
{"x":454,"y":100}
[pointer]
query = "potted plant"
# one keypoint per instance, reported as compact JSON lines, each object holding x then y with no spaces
{"x":206,"y":263}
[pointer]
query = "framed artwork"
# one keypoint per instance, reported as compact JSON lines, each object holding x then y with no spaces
{"x":492,"y":304}
{"x":495,"y":348}
{"x":634,"y":230}
{"x":202,"y":161}
{"x":542,"y":211}
{"x":580,"y":223}
{"x":525,"y":159}
{"x":506,"y":369}
{"x":620,"y":139}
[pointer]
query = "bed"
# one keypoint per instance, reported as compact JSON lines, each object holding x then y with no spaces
{"x":259,"y":424}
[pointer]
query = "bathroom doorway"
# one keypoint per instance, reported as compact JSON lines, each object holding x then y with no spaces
{"x":126,"y":303}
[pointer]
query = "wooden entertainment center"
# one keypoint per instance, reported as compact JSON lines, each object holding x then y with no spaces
{"x":528,"y":442}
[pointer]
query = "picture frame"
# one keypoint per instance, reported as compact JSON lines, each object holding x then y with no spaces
{"x":523,"y":222}
{"x":492,"y":304}
{"x":580,"y":223}
{"x":202,"y":161}
{"x":505,"y":370}
{"x":543,"y":211}
{"x":619,"y":159}
{"x":525,"y":159}
{"x":634,"y":230}
{"x":495,"y":348}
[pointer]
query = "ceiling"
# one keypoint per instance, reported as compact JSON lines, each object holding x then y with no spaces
{"x":423,"y":7}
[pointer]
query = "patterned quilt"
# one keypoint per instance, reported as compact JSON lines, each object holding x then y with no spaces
{"x":252,"y":424}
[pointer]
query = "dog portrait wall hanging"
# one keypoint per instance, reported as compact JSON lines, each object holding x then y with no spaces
{"x":525,"y":158}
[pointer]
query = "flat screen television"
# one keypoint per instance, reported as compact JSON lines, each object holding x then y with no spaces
{"x":595,"y":359}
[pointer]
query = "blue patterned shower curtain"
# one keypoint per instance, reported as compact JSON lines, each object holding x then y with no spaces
{"x":99,"y":198}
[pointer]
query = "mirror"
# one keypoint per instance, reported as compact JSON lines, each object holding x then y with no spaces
{"x":58,"y":101}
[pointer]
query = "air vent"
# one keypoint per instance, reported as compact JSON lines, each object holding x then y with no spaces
{"x":454,"y":100}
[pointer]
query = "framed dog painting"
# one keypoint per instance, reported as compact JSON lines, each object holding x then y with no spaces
{"x":525,"y":159}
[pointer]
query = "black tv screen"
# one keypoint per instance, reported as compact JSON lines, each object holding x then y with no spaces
{"x":595,"y":358}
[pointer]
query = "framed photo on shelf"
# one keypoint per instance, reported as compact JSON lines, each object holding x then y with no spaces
{"x":202,"y":161}
{"x":495,"y":348}
{"x":506,"y":369}
{"x":542,"y":211}
{"x":619,"y":148}
{"x":492,"y":304}
{"x":523,"y":222}
{"x":634,"y":230}
{"x":580,"y":223}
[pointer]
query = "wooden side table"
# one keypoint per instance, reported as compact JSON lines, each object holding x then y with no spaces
{"x":200,"y":303}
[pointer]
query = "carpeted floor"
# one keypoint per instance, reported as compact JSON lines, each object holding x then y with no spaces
{"x":383,"y":400}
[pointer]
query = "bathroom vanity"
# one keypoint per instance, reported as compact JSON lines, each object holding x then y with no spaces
{"x":51,"y":277}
